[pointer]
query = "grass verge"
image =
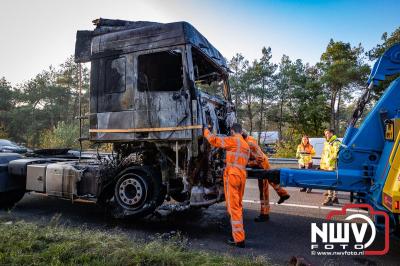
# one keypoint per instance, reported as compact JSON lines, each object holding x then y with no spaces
{"x":31,"y":244}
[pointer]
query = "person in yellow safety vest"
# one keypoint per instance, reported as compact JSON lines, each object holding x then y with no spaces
{"x":305,"y":152}
{"x":235,"y":174}
{"x":259,"y":160}
{"x":329,"y":158}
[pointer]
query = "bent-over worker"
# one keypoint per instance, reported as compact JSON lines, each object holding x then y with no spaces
{"x":237,"y":156}
{"x":260,"y":160}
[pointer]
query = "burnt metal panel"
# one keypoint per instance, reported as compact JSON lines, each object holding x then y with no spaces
{"x":117,"y":36}
{"x":139,"y":39}
{"x":115,"y":120}
{"x":107,"y":98}
{"x":104,"y":25}
{"x":159,"y":109}
{"x":82,"y":46}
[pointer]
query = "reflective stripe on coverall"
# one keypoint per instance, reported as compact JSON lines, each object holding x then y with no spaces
{"x":237,"y":156}
{"x":259,"y":159}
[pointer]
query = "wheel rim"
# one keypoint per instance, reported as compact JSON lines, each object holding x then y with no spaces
{"x":131,"y":191}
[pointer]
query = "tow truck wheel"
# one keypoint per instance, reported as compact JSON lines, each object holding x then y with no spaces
{"x":137,"y":192}
{"x":9,"y":198}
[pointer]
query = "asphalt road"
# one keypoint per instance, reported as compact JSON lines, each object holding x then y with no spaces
{"x":287,"y":233}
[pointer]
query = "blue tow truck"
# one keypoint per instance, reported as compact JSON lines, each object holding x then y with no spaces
{"x":369,"y":157}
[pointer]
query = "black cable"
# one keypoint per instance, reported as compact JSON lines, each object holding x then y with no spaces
{"x":362,"y":102}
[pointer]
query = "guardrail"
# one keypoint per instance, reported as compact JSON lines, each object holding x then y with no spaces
{"x":286,"y":160}
{"x":282,"y":161}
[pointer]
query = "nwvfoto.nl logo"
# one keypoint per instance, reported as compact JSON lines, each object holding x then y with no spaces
{"x":355,"y":235}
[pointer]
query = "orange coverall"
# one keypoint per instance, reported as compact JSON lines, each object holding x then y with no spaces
{"x":259,"y":159}
{"x":237,"y":156}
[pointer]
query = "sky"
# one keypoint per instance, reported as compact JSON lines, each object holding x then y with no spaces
{"x":40,"y":33}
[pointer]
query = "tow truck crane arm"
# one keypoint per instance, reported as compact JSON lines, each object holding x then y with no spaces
{"x":369,"y":157}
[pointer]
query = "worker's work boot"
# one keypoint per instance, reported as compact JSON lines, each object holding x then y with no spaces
{"x":283,"y":198}
{"x":303,"y":189}
{"x":262,"y":218}
{"x":236,"y":244}
{"x":335,"y":200}
{"x":327,"y":202}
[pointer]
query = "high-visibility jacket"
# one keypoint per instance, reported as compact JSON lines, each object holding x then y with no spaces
{"x":257,"y":156}
{"x":237,"y":151}
{"x":330,"y":153}
{"x":305,"y":153}
{"x":237,"y":156}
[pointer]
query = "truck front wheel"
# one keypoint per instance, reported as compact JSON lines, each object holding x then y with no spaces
{"x":138,"y":191}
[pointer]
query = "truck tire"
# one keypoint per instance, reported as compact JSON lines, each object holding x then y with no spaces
{"x":9,"y":198}
{"x":138,"y":192}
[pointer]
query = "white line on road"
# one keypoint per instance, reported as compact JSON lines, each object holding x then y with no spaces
{"x":307,"y":206}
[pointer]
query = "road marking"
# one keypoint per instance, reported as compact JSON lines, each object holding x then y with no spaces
{"x":307,"y":206}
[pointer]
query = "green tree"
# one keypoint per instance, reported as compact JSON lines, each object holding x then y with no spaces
{"x":6,"y":104}
{"x":63,"y":135}
{"x":282,"y":90}
{"x":68,"y":79}
{"x":343,"y":71}
{"x":262,"y":76}
{"x":387,"y":42}
{"x":309,"y":108}
{"x":239,"y":82}
{"x":42,"y":102}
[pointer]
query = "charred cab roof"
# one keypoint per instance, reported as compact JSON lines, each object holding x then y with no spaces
{"x":119,"y":36}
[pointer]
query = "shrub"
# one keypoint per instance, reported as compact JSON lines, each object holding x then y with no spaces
{"x":287,"y":147}
{"x":63,"y":135}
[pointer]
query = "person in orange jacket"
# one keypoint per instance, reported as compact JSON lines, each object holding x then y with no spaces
{"x":259,"y":160}
{"x":237,"y":156}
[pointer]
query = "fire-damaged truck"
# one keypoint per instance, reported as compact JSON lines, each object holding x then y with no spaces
{"x":152,"y":87}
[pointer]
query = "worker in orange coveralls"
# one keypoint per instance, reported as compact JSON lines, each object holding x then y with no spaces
{"x":237,"y":156}
{"x":259,"y":160}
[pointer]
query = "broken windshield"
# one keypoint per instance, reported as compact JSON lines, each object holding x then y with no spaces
{"x":208,"y":77}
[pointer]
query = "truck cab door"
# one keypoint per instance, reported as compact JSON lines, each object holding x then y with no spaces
{"x":161,"y":100}
{"x":111,"y":100}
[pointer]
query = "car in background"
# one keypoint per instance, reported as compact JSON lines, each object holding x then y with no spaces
{"x":11,"y":147}
{"x":269,"y":149}
{"x":267,"y":140}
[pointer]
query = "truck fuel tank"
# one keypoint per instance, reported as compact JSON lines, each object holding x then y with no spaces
{"x":61,"y":180}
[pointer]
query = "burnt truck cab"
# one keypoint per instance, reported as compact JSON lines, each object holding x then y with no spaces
{"x":152,"y":87}
{"x":148,"y":80}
